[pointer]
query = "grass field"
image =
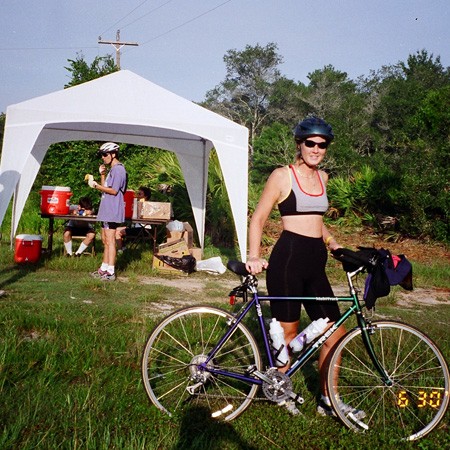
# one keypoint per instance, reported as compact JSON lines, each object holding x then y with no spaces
{"x":70,"y":353}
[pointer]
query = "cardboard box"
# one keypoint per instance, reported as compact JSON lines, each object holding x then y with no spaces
{"x":176,"y":249}
{"x":187,"y":234}
{"x":161,"y":265}
{"x":174,"y":236}
{"x":154,"y":210}
{"x":196,"y":253}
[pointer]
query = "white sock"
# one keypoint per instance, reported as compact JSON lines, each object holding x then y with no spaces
{"x":68,"y":247}
{"x":104,"y":267}
{"x":110,"y":270}
{"x":81,"y":248}
{"x":325,"y":399}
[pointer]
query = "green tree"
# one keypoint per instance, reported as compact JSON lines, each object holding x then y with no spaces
{"x":274,"y":147}
{"x":287,"y":102}
{"x":402,"y":89}
{"x":244,"y":95}
{"x":81,"y":71}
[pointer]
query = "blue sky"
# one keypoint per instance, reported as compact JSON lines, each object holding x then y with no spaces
{"x":182,"y":43}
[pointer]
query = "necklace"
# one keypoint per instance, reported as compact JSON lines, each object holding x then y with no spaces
{"x":304,"y":176}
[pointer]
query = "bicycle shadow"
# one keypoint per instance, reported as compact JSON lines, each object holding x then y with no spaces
{"x":198,"y":430}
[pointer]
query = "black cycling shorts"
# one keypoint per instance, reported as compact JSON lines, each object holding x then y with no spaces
{"x":297,"y":269}
{"x":111,"y":225}
{"x":80,"y":231}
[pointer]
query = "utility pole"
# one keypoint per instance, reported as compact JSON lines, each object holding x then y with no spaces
{"x":117,"y":45}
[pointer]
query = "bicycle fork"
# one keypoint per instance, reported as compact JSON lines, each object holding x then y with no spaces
{"x":366,"y":330}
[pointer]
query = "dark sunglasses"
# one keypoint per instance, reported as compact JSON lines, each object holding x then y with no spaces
{"x":312,"y":144}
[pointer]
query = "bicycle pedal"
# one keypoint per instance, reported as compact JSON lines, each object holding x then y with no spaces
{"x":297,"y":398}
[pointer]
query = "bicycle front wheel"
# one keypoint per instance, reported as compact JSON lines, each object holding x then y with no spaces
{"x":411,"y":404}
{"x":171,"y":374}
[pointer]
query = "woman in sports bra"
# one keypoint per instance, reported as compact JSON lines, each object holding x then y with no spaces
{"x":296,"y":266}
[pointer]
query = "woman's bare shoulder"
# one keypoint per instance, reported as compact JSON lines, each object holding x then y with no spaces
{"x":280,"y":173}
{"x":323,"y":175}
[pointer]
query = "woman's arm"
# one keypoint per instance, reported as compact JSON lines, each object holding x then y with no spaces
{"x":269,"y":197}
{"x":329,"y":240}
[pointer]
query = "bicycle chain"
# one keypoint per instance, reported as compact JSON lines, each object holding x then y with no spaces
{"x":232,"y":397}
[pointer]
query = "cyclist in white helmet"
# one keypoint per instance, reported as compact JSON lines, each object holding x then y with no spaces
{"x":111,"y":211}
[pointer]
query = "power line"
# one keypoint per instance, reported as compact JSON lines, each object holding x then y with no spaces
{"x":145,"y":15}
{"x":125,"y":16}
{"x":146,"y":42}
{"x":185,"y":23}
{"x":46,"y":48}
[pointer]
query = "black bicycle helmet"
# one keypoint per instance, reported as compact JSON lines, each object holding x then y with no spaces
{"x":313,"y":126}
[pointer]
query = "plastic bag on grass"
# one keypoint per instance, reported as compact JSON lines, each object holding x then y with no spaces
{"x":212,"y":265}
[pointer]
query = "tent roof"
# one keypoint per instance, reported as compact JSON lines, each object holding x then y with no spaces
{"x":124,"y":107}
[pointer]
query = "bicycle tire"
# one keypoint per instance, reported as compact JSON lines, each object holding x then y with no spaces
{"x":419,"y":396}
{"x":179,"y":343}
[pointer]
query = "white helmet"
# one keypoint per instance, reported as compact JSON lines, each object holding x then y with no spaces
{"x":109,"y":147}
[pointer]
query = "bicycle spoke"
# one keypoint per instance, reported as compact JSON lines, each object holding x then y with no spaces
{"x":175,"y":368}
{"x":417,"y":399}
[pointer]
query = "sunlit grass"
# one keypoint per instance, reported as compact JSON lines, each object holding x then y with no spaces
{"x":70,"y":351}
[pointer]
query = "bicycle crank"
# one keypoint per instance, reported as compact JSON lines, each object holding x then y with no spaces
{"x":277,"y":387}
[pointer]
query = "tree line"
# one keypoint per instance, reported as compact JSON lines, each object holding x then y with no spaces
{"x":388,"y":164}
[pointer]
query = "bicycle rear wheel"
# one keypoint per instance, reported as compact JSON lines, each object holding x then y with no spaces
{"x":419,"y":395}
{"x":172,"y":379}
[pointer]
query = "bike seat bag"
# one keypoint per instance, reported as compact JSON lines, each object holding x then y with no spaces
{"x":398,"y":269}
{"x":390,"y":270}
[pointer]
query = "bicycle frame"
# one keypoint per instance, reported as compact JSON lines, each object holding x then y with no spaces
{"x":309,"y":351}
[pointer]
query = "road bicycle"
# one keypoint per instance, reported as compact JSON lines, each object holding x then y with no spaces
{"x":206,"y":356}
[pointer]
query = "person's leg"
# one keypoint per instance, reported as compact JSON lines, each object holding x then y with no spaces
{"x":324,"y":357}
{"x":283,"y":280}
{"x":90,"y":235}
{"x":104,"y":267}
{"x":67,"y":238}
{"x":110,"y":253}
{"x":318,"y":285}
{"x":109,"y":256}
{"x":120,"y":233}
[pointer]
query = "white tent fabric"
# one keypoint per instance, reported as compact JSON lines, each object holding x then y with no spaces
{"x":124,"y":107}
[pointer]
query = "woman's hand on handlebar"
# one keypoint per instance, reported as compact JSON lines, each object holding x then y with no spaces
{"x":334,"y":245}
{"x":256,"y":265}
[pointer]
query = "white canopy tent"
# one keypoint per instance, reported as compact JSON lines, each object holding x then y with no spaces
{"x":124,"y":107}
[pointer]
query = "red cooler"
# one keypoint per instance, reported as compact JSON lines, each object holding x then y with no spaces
{"x":28,"y":248}
{"x":55,"y":199}
{"x":129,"y":199}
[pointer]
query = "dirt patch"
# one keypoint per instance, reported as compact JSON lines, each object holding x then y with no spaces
{"x":427,"y":297}
{"x":186,"y":285}
{"x":418,"y":251}
{"x":422,"y":251}
{"x":185,"y":289}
